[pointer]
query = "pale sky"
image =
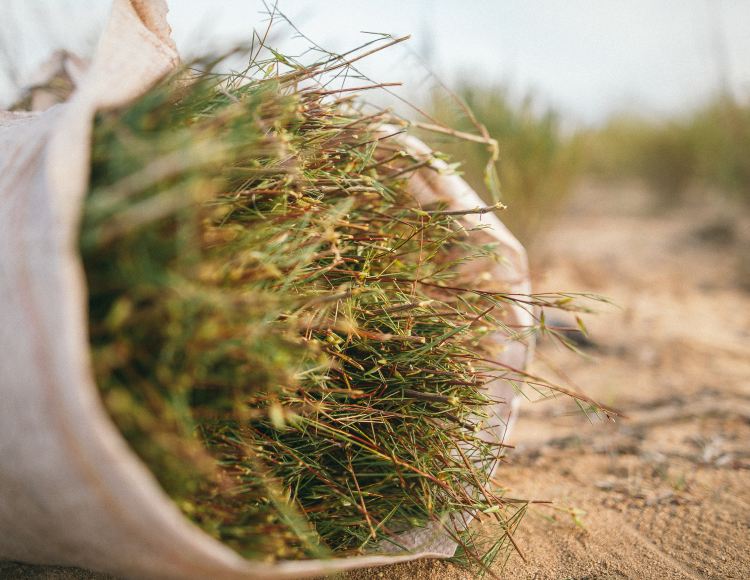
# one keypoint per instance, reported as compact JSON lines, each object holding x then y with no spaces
{"x":589,"y":58}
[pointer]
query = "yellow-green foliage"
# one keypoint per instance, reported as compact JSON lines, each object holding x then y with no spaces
{"x":537,"y":161}
{"x":279,"y":329}
{"x":707,"y":147}
{"x":272,"y":321}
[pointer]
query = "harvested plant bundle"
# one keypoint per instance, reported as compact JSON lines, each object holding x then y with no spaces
{"x":300,"y":321}
{"x":276,"y":323}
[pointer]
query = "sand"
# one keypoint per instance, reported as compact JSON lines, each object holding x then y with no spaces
{"x":664,"y":492}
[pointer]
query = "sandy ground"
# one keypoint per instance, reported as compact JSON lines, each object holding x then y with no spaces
{"x":664,"y":492}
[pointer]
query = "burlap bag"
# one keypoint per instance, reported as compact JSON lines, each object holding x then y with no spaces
{"x":71,"y":490}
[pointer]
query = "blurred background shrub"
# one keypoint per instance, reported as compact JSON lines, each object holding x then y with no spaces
{"x":538,"y":161}
{"x":542,"y":156}
{"x":707,"y":148}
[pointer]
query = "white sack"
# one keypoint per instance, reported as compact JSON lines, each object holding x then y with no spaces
{"x":71,"y":490}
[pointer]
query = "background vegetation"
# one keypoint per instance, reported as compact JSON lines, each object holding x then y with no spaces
{"x":707,"y":147}
{"x":538,"y":160}
{"x":541,"y":157}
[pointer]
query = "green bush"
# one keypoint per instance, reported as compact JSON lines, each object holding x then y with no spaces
{"x":538,"y":162}
{"x":706,"y":147}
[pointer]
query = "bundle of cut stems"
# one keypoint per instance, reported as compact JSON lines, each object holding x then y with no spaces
{"x":271,"y":321}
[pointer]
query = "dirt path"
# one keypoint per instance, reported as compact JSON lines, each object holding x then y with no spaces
{"x":664,"y":493}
